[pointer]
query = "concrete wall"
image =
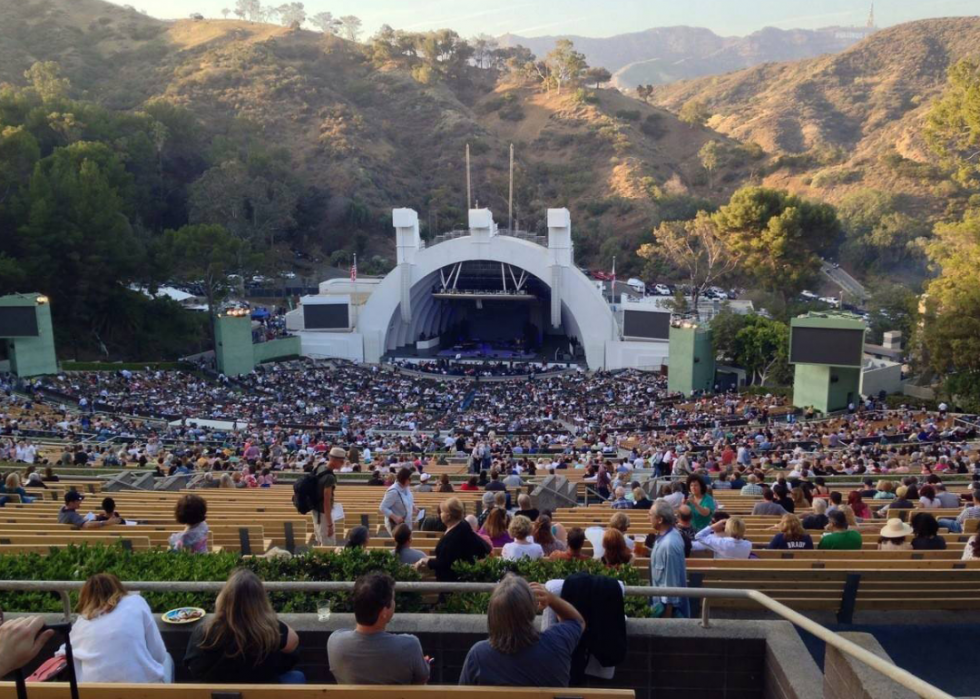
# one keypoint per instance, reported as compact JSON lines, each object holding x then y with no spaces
{"x":651,"y":355}
{"x":319,"y":344}
{"x":884,"y":376}
{"x":675,"y":658}
{"x":276,"y":349}
{"x":847,"y":678}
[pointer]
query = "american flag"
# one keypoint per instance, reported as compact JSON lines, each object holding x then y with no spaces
{"x":353,"y":270}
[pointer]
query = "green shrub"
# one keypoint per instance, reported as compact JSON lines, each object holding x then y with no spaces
{"x":653,"y":126}
{"x":512,"y":112}
{"x":840,"y":176}
{"x":76,"y":563}
{"x":628,"y":114}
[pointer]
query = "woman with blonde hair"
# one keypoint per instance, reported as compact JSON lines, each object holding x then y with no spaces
{"x":12,"y":486}
{"x":516,"y":653}
{"x":791,"y":535}
{"x":243,"y":642}
{"x":726,"y":538}
{"x":522,"y":546}
{"x":115,"y":638}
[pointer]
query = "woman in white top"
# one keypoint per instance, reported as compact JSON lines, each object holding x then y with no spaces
{"x":972,"y":550}
{"x":522,"y":546}
{"x":928,"y":499}
{"x":116,"y":638}
{"x":726,"y":538}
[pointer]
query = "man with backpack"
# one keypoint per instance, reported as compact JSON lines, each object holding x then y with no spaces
{"x":314,"y":493}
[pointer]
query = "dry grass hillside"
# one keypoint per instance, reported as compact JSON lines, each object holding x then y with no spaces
{"x":847,"y":121}
{"x":373,"y":137}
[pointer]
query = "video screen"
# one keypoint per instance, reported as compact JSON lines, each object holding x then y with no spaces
{"x":646,"y":324}
{"x":18,"y":321}
{"x":332,"y":316}
{"x":827,"y":346}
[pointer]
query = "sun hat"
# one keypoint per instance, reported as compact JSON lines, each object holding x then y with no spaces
{"x":895,"y":529}
{"x":338,"y":453}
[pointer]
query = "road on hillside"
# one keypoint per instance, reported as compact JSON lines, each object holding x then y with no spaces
{"x":845,"y":281}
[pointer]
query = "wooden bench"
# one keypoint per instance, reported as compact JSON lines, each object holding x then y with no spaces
{"x":52,"y":690}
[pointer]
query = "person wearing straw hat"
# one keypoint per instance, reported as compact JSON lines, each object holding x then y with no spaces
{"x":894,"y":536}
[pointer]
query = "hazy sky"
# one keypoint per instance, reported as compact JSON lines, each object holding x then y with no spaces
{"x":596,"y":17}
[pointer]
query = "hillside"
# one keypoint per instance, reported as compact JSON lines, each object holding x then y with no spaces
{"x":667,"y":54}
{"x":848,"y":121}
{"x":369,"y":138}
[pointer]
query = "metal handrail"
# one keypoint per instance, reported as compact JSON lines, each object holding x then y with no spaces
{"x":892,"y":672}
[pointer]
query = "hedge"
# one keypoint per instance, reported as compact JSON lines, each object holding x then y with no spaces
{"x":80,"y":562}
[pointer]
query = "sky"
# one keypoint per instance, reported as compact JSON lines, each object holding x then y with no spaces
{"x":596,"y":18}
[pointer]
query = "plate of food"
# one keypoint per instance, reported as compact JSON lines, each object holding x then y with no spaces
{"x":184,"y":615}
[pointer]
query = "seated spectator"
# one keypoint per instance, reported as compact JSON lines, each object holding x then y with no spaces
{"x":368,"y":654}
{"x":191,"y":511}
{"x":521,"y":546}
{"x":857,"y":504}
{"x":768,"y":507}
{"x":49,"y":475}
{"x":115,"y":637}
{"x":459,"y":543}
{"x":376,"y":478}
{"x":516,"y":654}
{"x":726,"y":538}
{"x":496,"y":528}
{"x":791,"y":535}
{"x":885,"y":491}
{"x":620,"y":502}
{"x":782,"y":497}
{"x":424,"y":485}
{"x":614,"y":550}
{"x":524,"y":505}
{"x":817,"y":520}
{"x":403,"y":545}
{"x":640,"y":500}
{"x":971,"y":511}
{"x":752,"y":488}
{"x":12,"y":486}
{"x":840,"y":537}
{"x":69,"y":514}
{"x":928,"y":499}
{"x":925,"y":530}
{"x":971,"y":552}
{"x":900,"y":502}
{"x":358,"y":538}
{"x":243,"y":642}
{"x":576,"y":540}
{"x":541,"y":530}
{"x":444,"y":485}
{"x":893,"y":536}
{"x":109,"y":511}
{"x":470,"y":484}
{"x":488,"y":506}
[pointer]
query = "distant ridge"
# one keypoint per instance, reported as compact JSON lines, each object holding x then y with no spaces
{"x":665,"y":54}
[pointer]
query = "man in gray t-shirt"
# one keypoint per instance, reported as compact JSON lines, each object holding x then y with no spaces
{"x":368,"y":654}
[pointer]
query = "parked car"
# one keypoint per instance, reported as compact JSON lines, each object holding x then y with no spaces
{"x":662,"y":290}
{"x":808,"y":295}
{"x":830,"y":300}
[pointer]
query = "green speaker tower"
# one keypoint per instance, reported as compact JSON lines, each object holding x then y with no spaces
{"x":233,"y":343}
{"x":827,"y":351}
{"x":691,"y":362}
{"x":25,"y":325}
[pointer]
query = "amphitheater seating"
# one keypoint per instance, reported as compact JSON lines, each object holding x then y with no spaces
{"x":200,"y":691}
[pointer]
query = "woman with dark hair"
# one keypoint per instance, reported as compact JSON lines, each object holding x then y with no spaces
{"x":115,"y":638}
{"x":576,"y":540}
{"x":471,"y":484}
{"x":495,"y":527}
{"x":615,"y":552}
{"x":861,"y":510}
{"x":516,"y":654}
{"x":925,"y":529}
{"x":971,"y":551}
{"x":444,"y":485}
{"x":928,"y":499}
{"x":191,"y":511}
{"x":702,"y":505}
{"x":403,"y":546}
{"x":243,"y":642}
{"x":541,"y":531}
{"x":358,"y":538}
